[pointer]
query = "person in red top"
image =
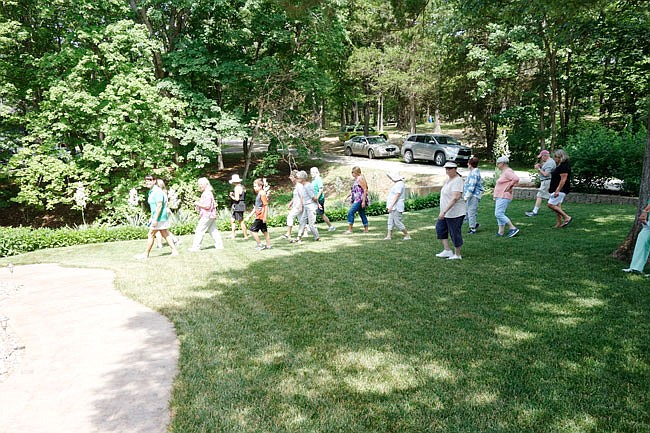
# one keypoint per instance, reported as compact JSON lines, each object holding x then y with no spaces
{"x":261,"y":211}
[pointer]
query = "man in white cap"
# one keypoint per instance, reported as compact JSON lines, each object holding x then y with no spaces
{"x":395,"y":206}
{"x":545,"y":170}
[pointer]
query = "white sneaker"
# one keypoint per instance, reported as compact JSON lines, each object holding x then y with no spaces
{"x":331,"y":228}
{"x":406,"y":238}
{"x":445,"y":254}
{"x":455,"y":257}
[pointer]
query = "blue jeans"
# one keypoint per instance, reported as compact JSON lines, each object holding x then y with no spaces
{"x":356,"y":207}
{"x":500,"y":207}
{"x":472,"y":211}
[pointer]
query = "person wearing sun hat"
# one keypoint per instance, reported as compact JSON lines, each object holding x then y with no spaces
{"x":238,"y":207}
{"x":395,"y":205}
{"x":545,"y":169}
{"x":452,"y":213}
{"x":503,"y":196}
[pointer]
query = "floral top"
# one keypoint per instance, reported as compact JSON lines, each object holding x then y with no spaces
{"x":473,"y":185}
{"x":357,"y":191}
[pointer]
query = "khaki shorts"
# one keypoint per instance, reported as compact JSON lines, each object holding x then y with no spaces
{"x":542,"y":191}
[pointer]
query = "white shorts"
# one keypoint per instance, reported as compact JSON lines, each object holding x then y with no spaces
{"x":162,"y":225}
{"x":556,"y":200}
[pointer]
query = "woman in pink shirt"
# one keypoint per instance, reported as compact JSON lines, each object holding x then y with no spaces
{"x":503,"y":196}
{"x":207,"y":217}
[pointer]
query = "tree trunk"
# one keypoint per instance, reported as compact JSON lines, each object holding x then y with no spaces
{"x":412,"y":119}
{"x":625,"y":250}
{"x":366,"y":117}
{"x":157,"y":55}
{"x":380,"y":112}
{"x":248,"y":150}
{"x":220,"y":165}
{"x":542,"y":126}
{"x":436,"y":121}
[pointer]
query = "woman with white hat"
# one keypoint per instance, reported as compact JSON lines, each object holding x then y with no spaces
{"x":238,"y":197}
{"x":452,"y":213}
{"x":395,"y":206}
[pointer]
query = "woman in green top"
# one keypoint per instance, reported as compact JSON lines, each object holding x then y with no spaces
{"x":159,"y":218}
{"x":642,"y":247}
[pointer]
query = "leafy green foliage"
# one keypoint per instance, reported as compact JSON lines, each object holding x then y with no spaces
{"x":599,"y":154}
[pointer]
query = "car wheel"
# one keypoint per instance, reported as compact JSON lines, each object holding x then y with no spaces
{"x":439,"y":159}
{"x":408,"y":157}
{"x":371,"y":154}
{"x":384,"y":135}
{"x":348,"y":151}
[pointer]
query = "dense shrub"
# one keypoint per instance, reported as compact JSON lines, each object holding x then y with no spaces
{"x":599,"y":154}
{"x":23,"y":239}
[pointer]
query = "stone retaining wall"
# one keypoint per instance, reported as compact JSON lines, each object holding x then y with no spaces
{"x":420,"y":190}
{"x":577,"y":197}
{"x":530,"y":193}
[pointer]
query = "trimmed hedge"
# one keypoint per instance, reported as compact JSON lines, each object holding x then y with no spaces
{"x":24,"y":239}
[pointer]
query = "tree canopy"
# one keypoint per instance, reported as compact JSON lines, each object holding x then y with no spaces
{"x":99,"y":93}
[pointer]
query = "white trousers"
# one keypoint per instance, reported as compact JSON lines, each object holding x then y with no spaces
{"x":207,"y":225}
{"x":308,"y":217}
{"x":395,"y":220}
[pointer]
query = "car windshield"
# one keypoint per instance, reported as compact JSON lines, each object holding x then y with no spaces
{"x":447,"y":140}
{"x":376,"y":140}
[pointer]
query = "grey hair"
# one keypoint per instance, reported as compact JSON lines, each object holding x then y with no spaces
{"x":204,"y":181}
{"x":302,"y":175}
{"x":560,"y":153}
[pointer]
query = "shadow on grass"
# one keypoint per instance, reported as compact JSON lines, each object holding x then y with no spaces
{"x":387,"y":338}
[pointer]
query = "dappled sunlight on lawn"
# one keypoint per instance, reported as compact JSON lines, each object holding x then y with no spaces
{"x":510,"y":337}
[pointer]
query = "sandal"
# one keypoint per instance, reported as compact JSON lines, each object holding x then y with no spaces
{"x":567,"y":222}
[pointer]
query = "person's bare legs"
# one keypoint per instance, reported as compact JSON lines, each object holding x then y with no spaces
{"x":233,"y":228}
{"x":166,"y":234}
{"x":562,"y":217}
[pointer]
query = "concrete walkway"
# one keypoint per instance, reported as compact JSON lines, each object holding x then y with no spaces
{"x":93,"y":360}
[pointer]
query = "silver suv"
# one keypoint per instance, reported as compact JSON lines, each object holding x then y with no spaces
{"x":435,"y":147}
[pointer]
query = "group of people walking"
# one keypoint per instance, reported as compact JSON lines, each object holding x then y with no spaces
{"x":459,"y":201}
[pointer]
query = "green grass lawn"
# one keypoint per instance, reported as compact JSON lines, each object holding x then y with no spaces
{"x":539,"y":333}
